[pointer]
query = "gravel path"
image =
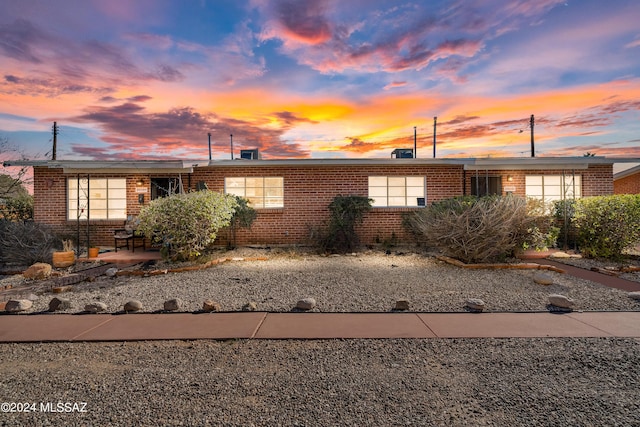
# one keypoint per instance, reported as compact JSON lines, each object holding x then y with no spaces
{"x":369,"y":282}
{"x":470,"y":382}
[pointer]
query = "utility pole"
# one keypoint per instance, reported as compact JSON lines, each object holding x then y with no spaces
{"x":209,"y":145}
{"x":55,"y":140}
{"x":435,"y":121}
{"x":415,"y":142}
{"x":531,"y":124}
{"x":231,"y":146}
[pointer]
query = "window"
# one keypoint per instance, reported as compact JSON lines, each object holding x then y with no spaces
{"x":553,"y":187}
{"x":262,"y":192}
{"x":163,"y":187}
{"x":397,"y":190}
{"x":486,"y":185}
{"x":97,"y":198}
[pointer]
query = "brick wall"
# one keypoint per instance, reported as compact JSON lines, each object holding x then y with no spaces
{"x":308,"y":192}
{"x":627,"y":185}
{"x":596,"y":180}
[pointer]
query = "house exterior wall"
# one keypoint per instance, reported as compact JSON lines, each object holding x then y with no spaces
{"x":308,"y":191}
{"x":627,"y":185}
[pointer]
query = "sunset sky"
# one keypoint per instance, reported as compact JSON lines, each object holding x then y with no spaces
{"x":149,"y":79}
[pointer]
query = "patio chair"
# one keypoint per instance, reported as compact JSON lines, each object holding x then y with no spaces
{"x":122,"y":237}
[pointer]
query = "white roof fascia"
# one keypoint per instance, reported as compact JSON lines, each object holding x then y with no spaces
{"x":626,"y":173}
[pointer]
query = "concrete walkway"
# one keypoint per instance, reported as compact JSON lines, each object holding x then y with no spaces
{"x":261,"y":325}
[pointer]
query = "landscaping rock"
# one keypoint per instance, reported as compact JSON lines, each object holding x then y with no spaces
{"x":561,"y":301}
{"x":111,"y":272}
{"x":173,"y":304}
{"x":250,"y":306}
{"x":560,"y":254}
{"x":132,"y":306}
{"x":95,"y":307}
{"x":38,"y":271}
{"x":33,"y":297}
{"x":306,"y":304}
{"x":17,"y":305}
{"x":211,"y":305}
{"x":475,"y":304}
{"x":58,"y":304}
{"x":634,"y":295}
{"x":402,"y":305}
{"x":543,"y":279}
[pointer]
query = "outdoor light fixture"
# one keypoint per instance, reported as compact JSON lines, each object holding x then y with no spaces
{"x":509,"y":178}
{"x":140,"y":183}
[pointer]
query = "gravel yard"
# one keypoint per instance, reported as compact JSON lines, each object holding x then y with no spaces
{"x":366,"y":282}
{"x":439,"y":382}
{"x":443,"y":382}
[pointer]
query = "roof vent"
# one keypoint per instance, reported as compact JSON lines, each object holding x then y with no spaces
{"x":402,"y":153}
{"x":250,"y":154}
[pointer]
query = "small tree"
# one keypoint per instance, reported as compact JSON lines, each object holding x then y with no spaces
{"x":187,"y":222}
{"x":346,"y":213}
{"x":243,"y":217}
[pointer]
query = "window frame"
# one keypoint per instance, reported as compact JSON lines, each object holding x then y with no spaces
{"x":112,"y":186}
{"x":390,"y":200}
{"x":268,"y":201}
{"x":548,"y":196}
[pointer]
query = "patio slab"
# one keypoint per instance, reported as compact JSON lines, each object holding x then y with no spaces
{"x":505,"y":325}
{"x":48,"y":327}
{"x":169,"y":326}
{"x":625,"y":324}
{"x":342,"y":325}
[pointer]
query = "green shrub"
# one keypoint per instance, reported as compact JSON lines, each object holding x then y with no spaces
{"x":187,"y":223}
{"x":243,"y":217}
{"x":346,"y":212}
{"x":474,"y":229}
{"x":17,"y":208}
{"x":607,"y":225}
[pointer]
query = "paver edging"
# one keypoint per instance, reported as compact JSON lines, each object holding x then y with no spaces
{"x":519,"y":266}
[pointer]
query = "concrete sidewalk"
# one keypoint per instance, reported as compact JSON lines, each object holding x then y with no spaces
{"x":262,"y":325}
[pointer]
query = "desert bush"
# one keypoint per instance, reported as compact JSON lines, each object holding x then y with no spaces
{"x":474,"y":229}
{"x":18,"y":208}
{"x":188,"y":222}
{"x":607,"y":225}
{"x":340,"y":234}
{"x":243,"y":217}
{"x":25,"y":243}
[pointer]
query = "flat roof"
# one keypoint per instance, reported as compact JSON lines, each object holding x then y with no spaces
{"x":187,"y":166}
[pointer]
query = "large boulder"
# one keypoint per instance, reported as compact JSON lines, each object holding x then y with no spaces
{"x":38,"y":271}
{"x":561,"y":301}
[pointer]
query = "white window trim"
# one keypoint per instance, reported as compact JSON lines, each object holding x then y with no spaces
{"x":264,"y":196}
{"x":86,"y":200}
{"x":414,"y":199}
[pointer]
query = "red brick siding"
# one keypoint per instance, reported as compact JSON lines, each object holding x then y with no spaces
{"x":627,"y":185}
{"x":596,"y":180}
{"x":308,"y":191}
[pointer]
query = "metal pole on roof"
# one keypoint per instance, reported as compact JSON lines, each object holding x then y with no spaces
{"x":209,"y":145}
{"x":435,"y":121}
{"x":231,"y":146}
{"x":415,"y":142}
{"x":532,"y":122}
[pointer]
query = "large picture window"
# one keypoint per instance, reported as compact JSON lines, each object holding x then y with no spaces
{"x":262,"y":192}
{"x":96,"y":198}
{"x":397,"y":191}
{"x":553,"y":187}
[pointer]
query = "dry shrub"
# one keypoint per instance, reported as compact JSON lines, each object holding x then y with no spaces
{"x":25,"y":243}
{"x":474,"y":229}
